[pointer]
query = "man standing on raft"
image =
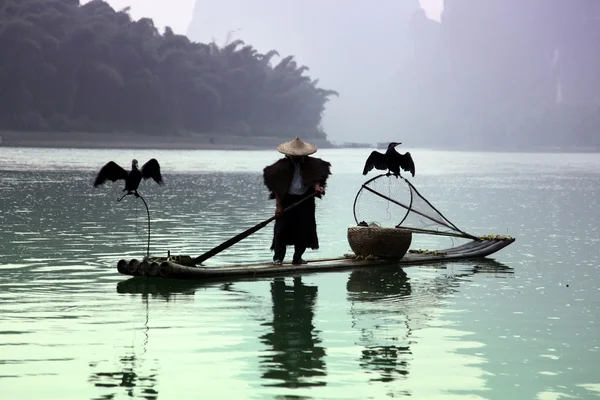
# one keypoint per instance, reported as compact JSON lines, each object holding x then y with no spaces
{"x":290,"y":180}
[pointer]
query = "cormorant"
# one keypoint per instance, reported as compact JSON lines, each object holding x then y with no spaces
{"x":391,"y":160}
{"x":113,"y":172}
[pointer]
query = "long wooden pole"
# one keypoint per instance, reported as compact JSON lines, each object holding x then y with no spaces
{"x":240,"y":236}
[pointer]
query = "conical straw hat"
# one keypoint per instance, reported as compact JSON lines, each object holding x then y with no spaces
{"x":297,"y":147}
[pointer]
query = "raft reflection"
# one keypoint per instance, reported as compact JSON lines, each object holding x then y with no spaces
{"x":386,"y":307}
{"x":164,"y":289}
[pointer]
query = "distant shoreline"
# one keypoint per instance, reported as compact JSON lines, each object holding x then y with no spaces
{"x":528,"y":149}
{"x":83,"y":140}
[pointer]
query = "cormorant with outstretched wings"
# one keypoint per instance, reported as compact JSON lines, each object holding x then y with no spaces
{"x":391,"y":161}
{"x":114,"y":172}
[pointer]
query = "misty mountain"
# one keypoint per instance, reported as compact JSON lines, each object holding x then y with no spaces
{"x":506,"y":74}
{"x":357,"y":49}
{"x":491,"y":74}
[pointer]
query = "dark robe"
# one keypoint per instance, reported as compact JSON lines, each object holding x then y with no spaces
{"x":298,"y":226}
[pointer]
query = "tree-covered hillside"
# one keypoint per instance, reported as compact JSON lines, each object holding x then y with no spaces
{"x":71,"y":67}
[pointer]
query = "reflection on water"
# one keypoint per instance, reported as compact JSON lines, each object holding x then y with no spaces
{"x":162,"y":289}
{"x":129,"y":376}
{"x":133,"y":385}
{"x":386,"y":306}
{"x":296,"y":354}
{"x":384,"y":353}
{"x":396,"y":315}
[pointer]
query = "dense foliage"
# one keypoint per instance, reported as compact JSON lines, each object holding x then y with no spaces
{"x":72,"y":67}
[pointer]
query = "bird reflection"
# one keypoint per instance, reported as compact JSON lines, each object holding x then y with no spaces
{"x":384,"y":353}
{"x":128,"y":376}
{"x":297,"y":356}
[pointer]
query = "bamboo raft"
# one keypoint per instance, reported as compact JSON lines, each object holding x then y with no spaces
{"x":372,"y":244}
{"x":185,"y":268}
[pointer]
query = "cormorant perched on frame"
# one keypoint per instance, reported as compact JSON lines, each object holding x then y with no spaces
{"x":114,"y":172}
{"x":391,"y":160}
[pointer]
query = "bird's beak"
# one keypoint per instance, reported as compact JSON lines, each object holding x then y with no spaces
{"x":398,"y":144}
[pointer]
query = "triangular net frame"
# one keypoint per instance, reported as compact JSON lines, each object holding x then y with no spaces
{"x":390,"y":201}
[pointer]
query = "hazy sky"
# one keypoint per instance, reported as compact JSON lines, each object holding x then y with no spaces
{"x":433,"y":8}
{"x":178,"y":14}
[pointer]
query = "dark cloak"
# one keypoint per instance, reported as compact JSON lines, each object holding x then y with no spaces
{"x":298,"y":226}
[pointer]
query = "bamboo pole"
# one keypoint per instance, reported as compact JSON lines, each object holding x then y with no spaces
{"x":230,"y":242}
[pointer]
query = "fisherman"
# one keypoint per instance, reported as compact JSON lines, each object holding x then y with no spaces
{"x":290,"y":179}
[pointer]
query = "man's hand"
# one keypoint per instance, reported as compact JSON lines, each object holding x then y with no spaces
{"x":278,"y":208}
{"x":319,"y":189}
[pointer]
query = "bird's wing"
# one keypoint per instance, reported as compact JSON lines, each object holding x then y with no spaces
{"x":152,"y":170}
{"x":406,"y":163}
{"x":111,"y":171}
{"x":375,"y":160}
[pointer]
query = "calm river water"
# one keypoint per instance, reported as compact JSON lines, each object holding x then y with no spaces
{"x":71,"y":327}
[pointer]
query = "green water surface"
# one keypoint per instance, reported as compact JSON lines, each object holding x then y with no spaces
{"x":71,"y":327}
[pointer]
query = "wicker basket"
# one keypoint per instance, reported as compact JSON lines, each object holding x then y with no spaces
{"x":392,"y":243}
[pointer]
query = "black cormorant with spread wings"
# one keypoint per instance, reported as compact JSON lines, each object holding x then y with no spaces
{"x":391,"y":161}
{"x":114,"y":172}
